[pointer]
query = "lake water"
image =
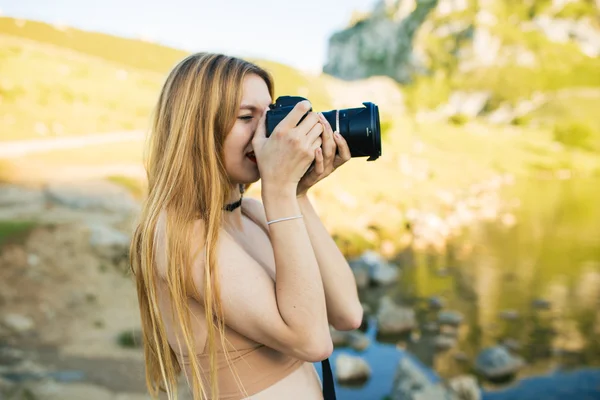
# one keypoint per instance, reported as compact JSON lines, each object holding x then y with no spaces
{"x":534,"y":285}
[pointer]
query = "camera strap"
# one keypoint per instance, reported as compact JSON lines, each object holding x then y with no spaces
{"x":328,"y":386}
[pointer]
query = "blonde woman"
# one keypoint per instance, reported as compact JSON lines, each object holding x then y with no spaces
{"x":237,"y":294}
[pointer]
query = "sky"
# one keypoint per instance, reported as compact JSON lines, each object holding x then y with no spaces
{"x":294,"y":32}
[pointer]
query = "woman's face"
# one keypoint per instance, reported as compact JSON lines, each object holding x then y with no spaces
{"x":239,"y":161}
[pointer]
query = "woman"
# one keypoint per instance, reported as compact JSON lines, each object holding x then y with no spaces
{"x":238,"y":295}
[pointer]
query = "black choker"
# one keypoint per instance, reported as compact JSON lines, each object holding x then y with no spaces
{"x":233,"y":206}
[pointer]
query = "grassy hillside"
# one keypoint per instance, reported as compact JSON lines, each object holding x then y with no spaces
{"x":132,"y":53}
{"x":62,"y":81}
{"x":50,"y":91}
{"x":56,"y":82}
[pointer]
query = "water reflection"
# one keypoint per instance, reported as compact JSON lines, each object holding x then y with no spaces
{"x":533,"y":285}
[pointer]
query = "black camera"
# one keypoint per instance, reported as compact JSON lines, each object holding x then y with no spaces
{"x":358,"y":126}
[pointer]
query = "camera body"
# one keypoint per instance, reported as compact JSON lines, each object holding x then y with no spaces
{"x":360,"y":127}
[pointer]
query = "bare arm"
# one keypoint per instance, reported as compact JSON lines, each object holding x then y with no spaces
{"x":288,"y":315}
{"x":298,"y":283}
{"x":343,"y":306}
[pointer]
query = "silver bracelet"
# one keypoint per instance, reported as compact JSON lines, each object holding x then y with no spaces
{"x":283,"y":219}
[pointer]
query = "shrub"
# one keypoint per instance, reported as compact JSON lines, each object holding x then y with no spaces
{"x":458,"y":119}
{"x":574,"y":135}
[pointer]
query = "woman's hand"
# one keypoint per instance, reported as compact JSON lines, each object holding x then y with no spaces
{"x":333,"y":153}
{"x":284,"y":157}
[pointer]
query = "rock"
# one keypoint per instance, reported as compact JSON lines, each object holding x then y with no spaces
{"x":18,"y":323}
{"x":381,"y":273}
{"x":380,"y":90}
{"x":357,"y":340}
{"x":509,"y":315}
{"x":496,"y":363}
{"x":351,"y":369}
{"x":466,"y":387}
{"x":6,"y":386}
{"x":453,"y":318}
{"x":378,"y":44}
{"x":10,"y":356}
{"x":503,"y":115}
{"x":413,"y":381}
{"x":15,"y":195}
{"x":541,"y":304}
{"x":435,"y":303}
{"x":444,"y":342}
{"x":66,"y":376}
{"x":93,"y":195}
{"x":431,"y":327}
{"x":50,"y":390}
{"x":33,"y":260}
{"x":469,"y":104}
{"x":394,"y":319}
{"x":338,"y":338}
{"x":384,"y":274}
{"x":582,"y":32}
{"x":449,"y":330}
{"x":361,"y":273}
{"x":21,"y":203}
{"x":108,"y":241}
{"x":366,"y":308}
{"x":461,"y":356}
{"x":511,"y":344}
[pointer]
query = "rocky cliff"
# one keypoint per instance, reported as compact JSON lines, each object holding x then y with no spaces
{"x":402,"y":38}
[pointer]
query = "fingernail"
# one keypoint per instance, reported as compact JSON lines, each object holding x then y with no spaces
{"x":337,"y":135}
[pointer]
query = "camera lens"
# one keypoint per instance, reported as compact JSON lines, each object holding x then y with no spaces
{"x":360,"y":128}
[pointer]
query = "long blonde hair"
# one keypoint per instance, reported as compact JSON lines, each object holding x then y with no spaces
{"x":196,"y":109}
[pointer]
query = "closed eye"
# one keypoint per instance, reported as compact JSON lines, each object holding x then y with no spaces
{"x":245,"y":117}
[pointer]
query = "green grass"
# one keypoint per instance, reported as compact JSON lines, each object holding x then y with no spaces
{"x":49,"y":91}
{"x":135,"y":186}
{"x":132,"y":53}
{"x":15,"y":231}
{"x":130,"y":339}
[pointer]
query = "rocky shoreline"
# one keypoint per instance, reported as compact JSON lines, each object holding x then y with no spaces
{"x":70,"y":329}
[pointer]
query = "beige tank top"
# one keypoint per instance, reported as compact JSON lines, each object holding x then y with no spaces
{"x":257,"y":366}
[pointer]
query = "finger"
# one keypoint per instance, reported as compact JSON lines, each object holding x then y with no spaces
{"x":308,"y":123}
{"x":342,"y":145}
{"x":318,"y":143}
{"x":291,"y":120}
{"x":314,"y":133}
{"x":329,"y":144}
{"x":261,"y":128}
{"x":319,"y":164}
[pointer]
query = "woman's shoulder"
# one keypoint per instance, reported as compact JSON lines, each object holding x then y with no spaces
{"x":255,"y":208}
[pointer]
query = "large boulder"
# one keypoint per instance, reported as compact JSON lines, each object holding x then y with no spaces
{"x":394,"y":319}
{"x":497,"y":363}
{"x":92,"y":196}
{"x":351,"y":369}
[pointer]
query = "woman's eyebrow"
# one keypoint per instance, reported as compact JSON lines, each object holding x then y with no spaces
{"x":248,"y":107}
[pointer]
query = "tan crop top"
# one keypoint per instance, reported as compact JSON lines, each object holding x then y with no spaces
{"x":257,"y":366}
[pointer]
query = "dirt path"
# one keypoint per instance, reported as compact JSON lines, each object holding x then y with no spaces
{"x":20,"y":148}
